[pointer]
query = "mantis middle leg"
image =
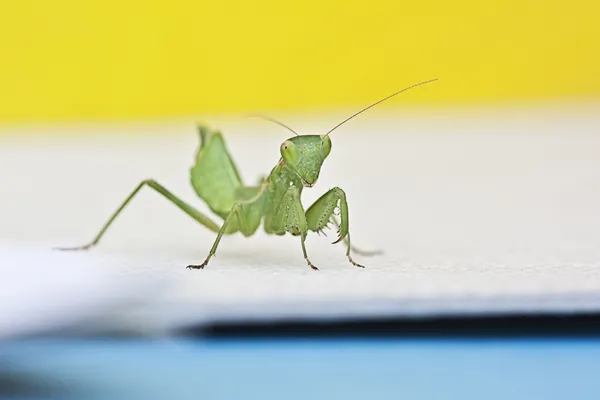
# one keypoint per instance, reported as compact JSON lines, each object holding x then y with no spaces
{"x":289,"y":216}
{"x":245,"y":216}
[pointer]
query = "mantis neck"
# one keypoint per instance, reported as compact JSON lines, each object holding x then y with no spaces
{"x":283,"y":176}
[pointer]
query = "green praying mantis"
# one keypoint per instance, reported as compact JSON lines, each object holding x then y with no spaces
{"x":275,"y":200}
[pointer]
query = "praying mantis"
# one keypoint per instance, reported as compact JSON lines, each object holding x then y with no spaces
{"x":275,"y":201}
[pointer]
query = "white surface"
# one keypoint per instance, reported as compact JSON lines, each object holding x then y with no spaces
{"x":43,"y":291}
{"x":495,"y":213}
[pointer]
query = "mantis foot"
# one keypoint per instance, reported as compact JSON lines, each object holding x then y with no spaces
{"x":201,"y":266}
{"x":355,"y":263}
{"x":314,"y":267}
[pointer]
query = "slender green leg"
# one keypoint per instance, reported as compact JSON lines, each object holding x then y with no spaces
{"x":232,"y":214}
{"x":348,"y":253}
{"x":310,"y":264}
{"x":289,"y":217}
{"x":243,"y":222}
{"x":354,"y":249}
{"x":189,"y":210}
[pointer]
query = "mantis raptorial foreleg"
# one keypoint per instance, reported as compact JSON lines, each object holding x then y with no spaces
{"x":321,"y":212}
{"x":189,"y":210}
{"x":290,"y":217}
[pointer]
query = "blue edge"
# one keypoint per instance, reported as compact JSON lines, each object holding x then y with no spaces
{"x":394,"y":368}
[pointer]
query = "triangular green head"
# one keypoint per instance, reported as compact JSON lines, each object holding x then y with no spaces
{"x":305,"y":154}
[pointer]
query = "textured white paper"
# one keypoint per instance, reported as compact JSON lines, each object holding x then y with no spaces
{"x":493,"y":212}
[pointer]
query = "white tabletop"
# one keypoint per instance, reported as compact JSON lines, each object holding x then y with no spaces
{"x":494,"y":211}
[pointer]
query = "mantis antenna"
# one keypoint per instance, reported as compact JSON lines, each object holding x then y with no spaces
{"x":275,"y":122}
{"x":380,"y":101}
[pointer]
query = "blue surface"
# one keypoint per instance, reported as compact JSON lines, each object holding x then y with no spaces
{"x":312,"y":369}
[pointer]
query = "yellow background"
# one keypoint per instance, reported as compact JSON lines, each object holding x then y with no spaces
{"x":77,"y":59}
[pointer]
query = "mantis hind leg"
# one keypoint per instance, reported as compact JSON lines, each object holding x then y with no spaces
{"x":320,"y":213}
{"x":189,"y":210}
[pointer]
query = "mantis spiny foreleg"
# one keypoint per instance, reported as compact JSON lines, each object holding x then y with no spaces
{"x":320,"y":213}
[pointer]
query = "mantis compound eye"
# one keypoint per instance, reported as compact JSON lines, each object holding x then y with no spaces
{"x":290,"y":152}
{"x":325,"y":146}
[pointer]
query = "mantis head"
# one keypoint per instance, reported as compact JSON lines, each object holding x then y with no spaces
{"x":305,"y":155}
